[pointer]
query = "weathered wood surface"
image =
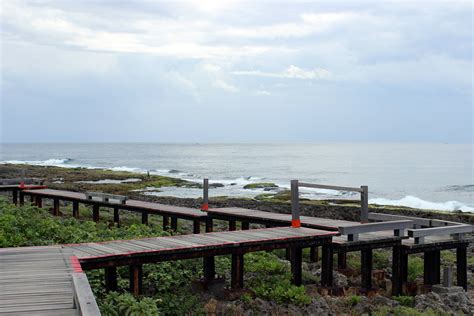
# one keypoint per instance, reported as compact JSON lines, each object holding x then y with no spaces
{"x":131,"y":205}
{"x":37,"y":281}
{"x":263,"y":217}
{"x":189,"y":246}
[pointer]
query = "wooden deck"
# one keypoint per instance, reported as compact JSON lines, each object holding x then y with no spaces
{"x":275,"y":219}
{"x":132,"y":205}
{"x":40,"y":281}
{"x":122,"y":252}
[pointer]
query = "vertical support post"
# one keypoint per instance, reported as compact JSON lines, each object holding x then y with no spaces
{"x":166,"y":222}
{"x":245,"y":225}
{"x":39,"y":201}
{"x":295,"y":205}
{"x":209,"y":268}
{"x":366,"y":268}
{"x":136,"y":274}
{"x":75,"y":209}
{"x":403,"y":267}
{"x":461,"y":266}
{"x":95,"y":212}
{"x":209,"y":225}
{"x":15,"y":196}
{"x":196,"y":226}
{"x":209,"y":262}
{"x":32,"y":199}
{"x":326,"y":265}
{"x":116,"y":216}
{"x":174,"y":223}
{"x":205,"y":195}
{"x":342,"y":260}
{"x":237,"y":278}
{"x":431,"y":269}
{"x":22,"y":198}
{"x":55,"y":207}
{"x":111,"y":279}
{"x":296,"y":263}
{"x":396,"y":279}
{"x":144,"y":218}
{"x":232,"y":225}
{"x":364,"y":207}
{"x":314,"y":254}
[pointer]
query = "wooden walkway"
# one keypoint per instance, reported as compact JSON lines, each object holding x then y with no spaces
{"x":145,"y":208}
{"x":275,"y":219}
{"x":43,"y":281}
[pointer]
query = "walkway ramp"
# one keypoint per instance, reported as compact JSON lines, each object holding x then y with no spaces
{"x":43,"y":281}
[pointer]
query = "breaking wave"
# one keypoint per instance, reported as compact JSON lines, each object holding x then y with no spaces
{"x":414,"y":202}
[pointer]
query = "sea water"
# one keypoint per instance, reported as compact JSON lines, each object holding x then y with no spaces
{"x":430,"y":176}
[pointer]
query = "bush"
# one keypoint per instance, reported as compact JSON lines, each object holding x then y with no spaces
{"x":405,"y":300}
{"x":415,"y":268}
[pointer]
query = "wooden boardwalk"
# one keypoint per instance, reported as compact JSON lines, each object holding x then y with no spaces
{"x":143,"y":207}
{"x":276,"y":219}
{"x":135,"y":253}
{"x":43,"y":281}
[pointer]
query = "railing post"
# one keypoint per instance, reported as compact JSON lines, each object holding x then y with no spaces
{"x":295,"y":205}
{"x":205,"y":195}
{"x":364,"y":201}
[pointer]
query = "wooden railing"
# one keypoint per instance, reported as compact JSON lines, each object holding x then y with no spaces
{"x":363,"y":190}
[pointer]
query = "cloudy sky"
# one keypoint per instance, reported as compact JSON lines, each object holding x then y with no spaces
{"x":236,"y":71}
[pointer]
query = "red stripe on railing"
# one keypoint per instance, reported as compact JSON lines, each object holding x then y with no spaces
{"x":76,"y":265}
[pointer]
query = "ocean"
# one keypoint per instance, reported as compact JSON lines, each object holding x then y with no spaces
{"x":426,"y":176}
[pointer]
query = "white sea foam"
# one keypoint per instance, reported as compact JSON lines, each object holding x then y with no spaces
{"x":111,"y":181}
{"x":55,"y":162}
{"x":414,"y":202}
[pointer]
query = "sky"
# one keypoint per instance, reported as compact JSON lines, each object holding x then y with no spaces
{"x":236,"y":71}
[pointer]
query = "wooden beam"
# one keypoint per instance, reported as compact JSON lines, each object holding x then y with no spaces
{"x":326,"y":265}
{"x":136,"y":277}
{"x":431,"y":269}
{"x":111,"y":279}
{"x":329,"y":187}
{"x":342,"y":260}
{"x":55,"y":207}
{"x":390,"y":217}
{"x":437,"y":231}
{"x":461,"y":267}
{"x":22,"y":198}
{"x":75,"y":209}
{"x":39,"y":201}
{"x":145,"y":218}
{"x":396,"y":279}
{"x":232,"y":225}
{"x":296,"y":264}
{"x":245,"y":225}
{"x":166,"y":222}
{"x":314,"y":254}
{"x":196,"y":226}
{"x":174,"y":223}
{"x":116,"y":216}
{"x":366,"y":269}
{"x":95,"y":213}
{"x":237,"y":274}
{"x":15,"y":196}
{"x":375,"y":227}
{"x":209,"y":268}
{"x":84,"y":299}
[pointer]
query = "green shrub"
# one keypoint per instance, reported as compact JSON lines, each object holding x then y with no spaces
{"x":405,"y":300}
{"x":415,"y":268}
{"x":115,"y":304}
{"x":354,"y":300}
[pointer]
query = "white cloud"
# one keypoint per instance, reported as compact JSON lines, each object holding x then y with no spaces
{"x":262,"y":93}
{"x":225,"y":86}
{"x":292,"y":72}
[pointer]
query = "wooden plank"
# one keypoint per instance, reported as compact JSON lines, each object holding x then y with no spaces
{"x":84,"y":299}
